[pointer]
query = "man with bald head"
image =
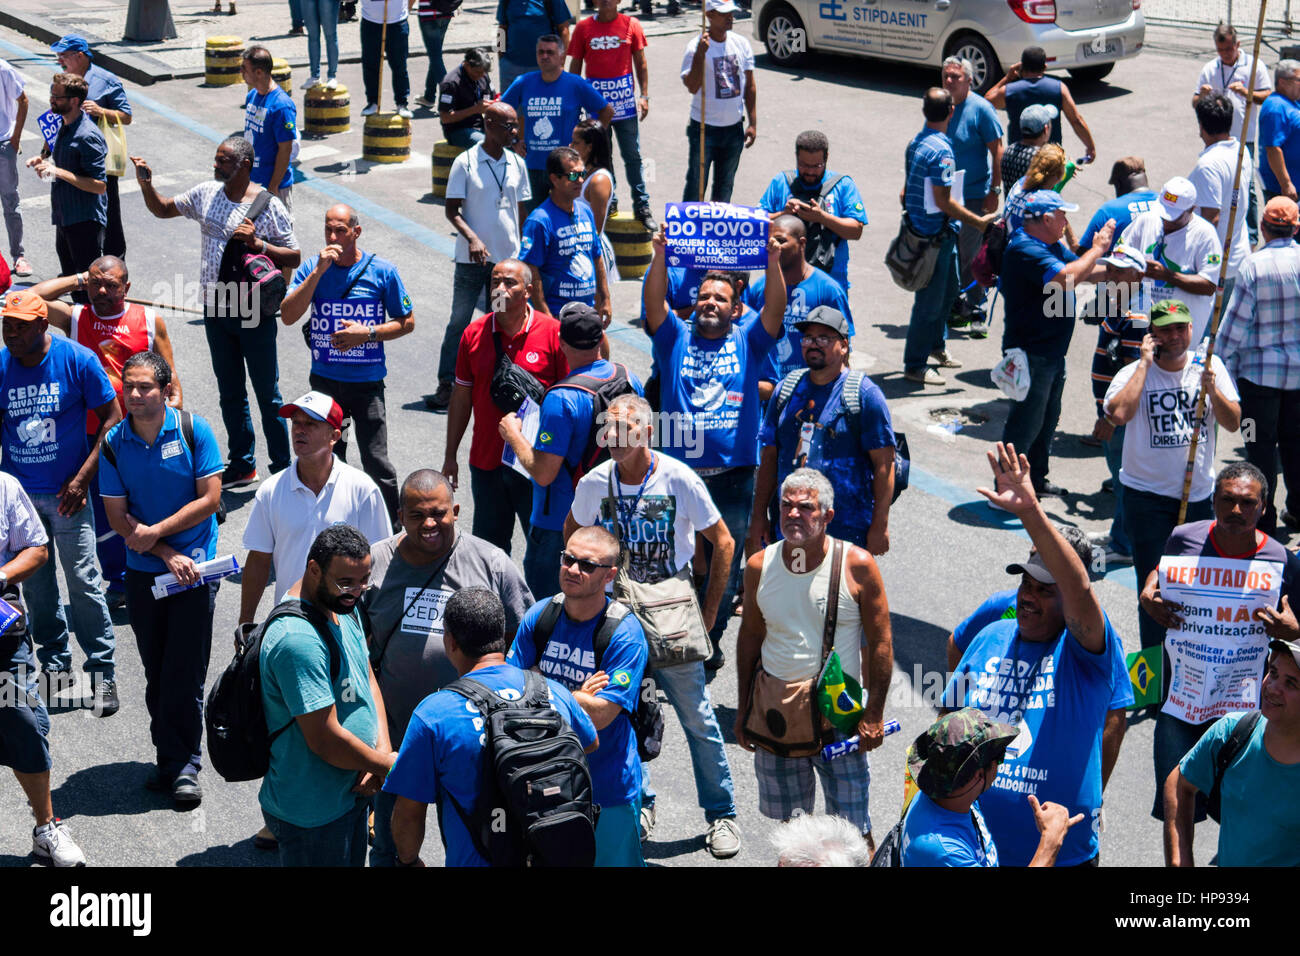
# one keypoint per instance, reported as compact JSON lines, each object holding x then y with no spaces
{"x":486,"y":191}
{"x":357,"y":302}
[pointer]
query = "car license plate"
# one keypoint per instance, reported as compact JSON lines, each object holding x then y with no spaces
{"x":1099,"y":48}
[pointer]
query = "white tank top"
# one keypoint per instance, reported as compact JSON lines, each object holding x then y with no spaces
{"x":794,"y":609}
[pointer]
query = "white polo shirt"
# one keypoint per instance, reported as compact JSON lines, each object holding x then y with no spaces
{"x":287,"y":517}
{"x":491,"y":191}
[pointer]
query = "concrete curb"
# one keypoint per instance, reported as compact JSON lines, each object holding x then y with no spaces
{"x":136,"y":67}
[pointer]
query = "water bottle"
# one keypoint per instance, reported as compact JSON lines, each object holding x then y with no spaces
{"x":840,"y":748}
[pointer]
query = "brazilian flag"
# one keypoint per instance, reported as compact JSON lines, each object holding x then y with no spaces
{"x":839,"y":696}
{"x":1145,"y":670}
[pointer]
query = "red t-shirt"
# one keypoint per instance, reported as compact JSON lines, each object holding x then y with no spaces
{"x":535,"y":349}
{"x":606,"y":48}
{"x":113,"y":340}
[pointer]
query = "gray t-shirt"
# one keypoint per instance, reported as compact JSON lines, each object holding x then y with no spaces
{"x":414,"y":663}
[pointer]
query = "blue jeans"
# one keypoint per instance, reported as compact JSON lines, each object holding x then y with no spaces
{"x":542,"y":559}
{"x":295,"y":13}
{"x":470,"y":282}
{"x":1031,"y":424}
{"x":722,"y":147}
{"x":433,"y":32}
{"x":628,"y":133}
{"x":733,"y":493}
{"x":500,"y":496}
{"x":686,"y":690}
{"x":322,"y":17}
{"x":927,"y":329}
{"x":510,"y":71}
{"x":396,"y":48}
{"x":109,"y":546}
{"x":234,"y":347}
{"x":383,"y":852}
{"x":467,"y":137}
{"x":1148,"y":521}
{"x":73,"y":539}
{"x":968,"y":246}
{"x":1114,"y":451}
{"x":1173,"y":738}
{"x":341,"y":842}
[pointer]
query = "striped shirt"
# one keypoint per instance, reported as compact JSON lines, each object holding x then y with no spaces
{"x":929,"y":158}
{"x":1118,"y":344}
{"x":1258,"y":338}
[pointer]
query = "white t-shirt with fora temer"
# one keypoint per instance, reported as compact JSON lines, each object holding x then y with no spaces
{"x":1156,"y":440}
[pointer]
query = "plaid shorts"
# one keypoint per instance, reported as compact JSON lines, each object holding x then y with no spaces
{"x":787,"y":784}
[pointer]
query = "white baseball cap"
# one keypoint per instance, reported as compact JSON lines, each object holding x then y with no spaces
{"x":1176,"y":197}
{"x":316,"y":405}
{"x":1125,"y":257}
{"x":720,"y":6}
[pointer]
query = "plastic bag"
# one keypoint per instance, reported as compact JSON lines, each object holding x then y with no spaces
{"x":115,"y":137}
{"x":1011,"y":375}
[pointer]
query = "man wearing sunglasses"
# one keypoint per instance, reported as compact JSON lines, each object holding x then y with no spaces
{"x":606,"y":689}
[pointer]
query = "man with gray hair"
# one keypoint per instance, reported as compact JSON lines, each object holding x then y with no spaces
{"x":808,"y":597}
{"x":816,"y":839}
{"x":1279,"y":134}
{"x":976,"y":138}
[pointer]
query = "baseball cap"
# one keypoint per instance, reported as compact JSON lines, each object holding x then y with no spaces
{"x":1042,"y":201}
{"x":957,"y":745}
{"x":721,"y":6}
{"x":1034,"y":567}
{"x":825,"y":315}
{"x":317,"y":405}
{"x":581,"y":326}
{"x":1036,"y":118}
{"x":1280,"y":211}
{"x":1124,"y":256}
{"x":1282,"y":647}
{"x":1176,"y":197}
{"x":1170,"y":312}
{"x":1125,"y":167}
{"x":71,"y":44}
{"x":24,"y":304}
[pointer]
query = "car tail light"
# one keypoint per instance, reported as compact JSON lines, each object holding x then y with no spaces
{"x":1137,"y":4}
{"x":1036,"y":11}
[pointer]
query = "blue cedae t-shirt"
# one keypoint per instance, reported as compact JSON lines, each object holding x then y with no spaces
{"x":269,"y":120}
{"x":548,"y":112}
{"x":817,"y":289}
{"x":564,"y":247}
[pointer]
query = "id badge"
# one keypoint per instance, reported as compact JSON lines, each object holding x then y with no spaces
{"x":502,"y":202}
{"x":806,"y":432}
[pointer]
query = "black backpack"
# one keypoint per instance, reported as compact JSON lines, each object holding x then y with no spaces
{"x":510,"y":384}
{"x":986,"y":267}
{"x":239,"y":742}
{"x":249,"y":285}
{"x":1228,"y":752}
{"x":187,"y":432}
{"x":602,"y":392}
{"x":648,"y":718}
{"x":822,"y":243}
{"x":536,"y":775}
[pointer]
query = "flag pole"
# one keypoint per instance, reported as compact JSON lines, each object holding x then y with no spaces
{"x":1217,"y":314}
{"x":704,"y":86}
{"x":383,"y":42}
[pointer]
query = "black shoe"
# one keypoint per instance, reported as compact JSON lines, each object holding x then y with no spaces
{"x":1288,"y":519}
{"x":267,"y":842}
{"x":647,"y":219}
{"x":439,"y":400}
{"x":186,"y":790}
{"x":715,"y":660}
{"x":104,"y":703}
{"x":1108,"y":486}
{"x":1050,"y":490}
{"x":674,"y":9}
{"x":115,"y":598}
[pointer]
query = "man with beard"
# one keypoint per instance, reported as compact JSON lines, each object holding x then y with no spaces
{"x":330,"y":750}
{"x":836,"y":421}
{"x":710,"y":368}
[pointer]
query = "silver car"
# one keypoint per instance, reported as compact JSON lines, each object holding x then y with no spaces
{"x":1085,"y":37}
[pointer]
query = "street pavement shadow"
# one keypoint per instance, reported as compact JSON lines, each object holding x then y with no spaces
{"x":979,"y":514}
{"x":921,"y":653}
{"x":652,"y":850}
{"x":895,"y":386}
{"x":726,"y":721}
{"x":110,"y":789}
{"x":242,"y":853}
{"x":11,"y":860}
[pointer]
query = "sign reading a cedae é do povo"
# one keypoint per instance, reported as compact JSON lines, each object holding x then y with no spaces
{"x":716,"y":235}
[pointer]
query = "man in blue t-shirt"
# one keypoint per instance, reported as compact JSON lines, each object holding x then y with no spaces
{"x":565,"y":445}
{"x":1052,"y":682}
{"x":1279,"y":133}
{"x":330,"y":751}
{"x":806,"y":289}
{"x":710,"y":366}
{"x":835,"y":219}
{"x":561,"y":244}
{"x":441,"y":758}
{"x":270,"y":124}
{"x":357,"y":302}
{"x":954,"y":763}
{"x":1037,"y":280}
{"x":814,"y":429}
{"x":607,"y":690}
{"x":161,"y":490}
{"x":525,"y":23}
{"x":549,"y":103}
{"x":49,"y":383}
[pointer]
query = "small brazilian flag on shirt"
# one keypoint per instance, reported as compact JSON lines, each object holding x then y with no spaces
{"x":1145,"y":669}
{"x":839,"y":696}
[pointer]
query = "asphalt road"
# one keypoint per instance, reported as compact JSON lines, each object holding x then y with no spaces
{"x":948,"y":549}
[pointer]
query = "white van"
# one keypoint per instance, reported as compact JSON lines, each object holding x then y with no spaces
{"x":1085,"y":37}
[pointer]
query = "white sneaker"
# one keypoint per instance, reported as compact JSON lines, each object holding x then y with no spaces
{"x":647,"y":821}
{"x":924,"y":376}
{"x":944,"y":360}
{"x":22,"y":267}
{"x":370,"y":109}
{"x":723,"y":838}
{"x":331,"y":84}
{"x":53,"y":842}
{"x":312,"y":83}
{"x":404,"y":111}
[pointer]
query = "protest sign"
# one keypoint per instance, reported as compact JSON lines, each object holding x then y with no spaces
{"x":716,"y":235}
{"x":50,"y":123}
{"x":1216,"y":658}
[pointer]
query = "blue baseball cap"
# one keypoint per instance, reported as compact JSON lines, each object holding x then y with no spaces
{"x":71,"y":44}
{"x":1042,"y":201}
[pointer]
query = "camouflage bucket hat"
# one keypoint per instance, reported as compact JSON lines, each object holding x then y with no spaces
{"x":956,"y":745}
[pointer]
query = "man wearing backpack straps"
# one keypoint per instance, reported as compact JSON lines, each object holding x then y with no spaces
{"x":835,"y":420}
{"x":607,"y":691}
{"x":444,"y":758}
{"x":565,"y":447}
{"x":828,"y":203}
{"x":335,"y":753}
{"x":1253,"y":760}
{"x":161,"y":489}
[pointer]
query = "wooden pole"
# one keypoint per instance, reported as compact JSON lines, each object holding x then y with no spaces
{"x":704,"y":86}
{"x":164,"y":305}
{"x":1217,"y":314}
{"x":383,"y":42}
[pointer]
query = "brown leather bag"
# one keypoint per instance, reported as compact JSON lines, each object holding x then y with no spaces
{"x":781,"y":716}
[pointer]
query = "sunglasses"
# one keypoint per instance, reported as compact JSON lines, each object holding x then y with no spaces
{"x":575,"y":175}
{"x":582,"y":564}
{"x":822,"y":340}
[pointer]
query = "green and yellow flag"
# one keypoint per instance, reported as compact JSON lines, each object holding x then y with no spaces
{"x":839,"y":696}
{"x":1145,"y":669}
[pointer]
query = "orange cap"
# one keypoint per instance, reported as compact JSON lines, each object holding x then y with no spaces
{"x":24,"y":304}
{"x":1281,"y":211}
